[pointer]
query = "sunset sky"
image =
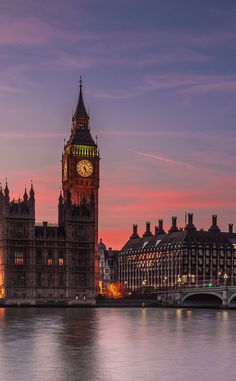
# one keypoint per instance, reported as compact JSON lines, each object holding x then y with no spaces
{"x":160,"y":86}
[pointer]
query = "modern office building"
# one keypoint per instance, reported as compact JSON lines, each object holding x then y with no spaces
{"x":181,"y":257}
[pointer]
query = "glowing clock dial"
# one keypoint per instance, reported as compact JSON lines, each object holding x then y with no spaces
{"x":84,"y":168}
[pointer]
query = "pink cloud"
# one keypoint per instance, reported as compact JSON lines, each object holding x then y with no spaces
{"x":132,"y":204}
{"x":137,"y":204}
{"x":31,"y":31}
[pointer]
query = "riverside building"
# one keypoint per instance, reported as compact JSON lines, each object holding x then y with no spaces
{"x":108,"y":266}
{"x":40,"y":264}
{"x":180,"y":257}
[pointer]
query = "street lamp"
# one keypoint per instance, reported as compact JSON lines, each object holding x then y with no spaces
{"x":179,"y":280}
{"x":143,"y":285}
{"x":225,"y":276}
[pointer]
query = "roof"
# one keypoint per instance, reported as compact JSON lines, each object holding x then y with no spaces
{"x":80,"y":131}
{"x":82,"y":136}
{"x":80,"y":110}
{"x":183,"y":238}
{"x":51,"y":232}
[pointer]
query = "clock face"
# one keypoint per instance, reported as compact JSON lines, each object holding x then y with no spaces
{"x":84,"y":168}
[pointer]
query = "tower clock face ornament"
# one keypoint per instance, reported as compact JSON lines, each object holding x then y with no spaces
{"x":84,"y":168}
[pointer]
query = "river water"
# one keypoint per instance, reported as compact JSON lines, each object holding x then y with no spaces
{"x":111,"y":344}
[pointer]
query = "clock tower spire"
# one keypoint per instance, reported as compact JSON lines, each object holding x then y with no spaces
{"x":78,"y":207}
{"x":80,"y":159}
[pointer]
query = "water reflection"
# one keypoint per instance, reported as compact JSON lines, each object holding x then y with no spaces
{"x":117,"y":344}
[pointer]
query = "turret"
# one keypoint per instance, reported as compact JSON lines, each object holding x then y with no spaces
{"x":7,"y":193}
{"x":25,"y":196}
{"x":31,"y":200}
{"x":60,"y":209}
{"x":60,"y":199}
{"x":31,"y":192}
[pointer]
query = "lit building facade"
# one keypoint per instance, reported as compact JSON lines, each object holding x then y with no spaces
{"x":108,"y":266}
{"x":40,"y":264}
{"x":180,"y":257}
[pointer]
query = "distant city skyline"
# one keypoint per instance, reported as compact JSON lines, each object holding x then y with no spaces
{"x":159,"y":81}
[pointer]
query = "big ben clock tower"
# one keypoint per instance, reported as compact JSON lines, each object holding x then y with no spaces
{"x":78,"y":206}
{"x":80,"y":160}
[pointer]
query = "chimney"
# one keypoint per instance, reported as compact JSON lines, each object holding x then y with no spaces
{"x":148,"y":232}
{"x":190,"y":218}
{"x":214,"y":227}
{"x":214,"y":220}
{"x":135,"y":232}
{"x":190,"y":225}
{"x":159,"y":229}
{"x":231,"y":228}
{"x":174,"y":225}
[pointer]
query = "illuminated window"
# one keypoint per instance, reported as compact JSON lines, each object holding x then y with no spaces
{"x":49,"y":257}
{"x":19,"y":258}
{"x":61,"y":258}
{"x":61,"y":261}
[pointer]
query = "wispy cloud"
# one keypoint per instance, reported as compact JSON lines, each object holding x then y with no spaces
{"x":7,"y":89}
{"x":164,"y":159}
{"x":31,"y":31}
{"x":31,"y":135}
{"x":177,"y":84}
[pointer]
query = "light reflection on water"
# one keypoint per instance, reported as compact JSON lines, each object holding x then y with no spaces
{"x":117,"y":344}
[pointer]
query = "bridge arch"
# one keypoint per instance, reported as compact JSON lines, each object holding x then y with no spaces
{"x":202,"y":299}
{"x":231,"y":301}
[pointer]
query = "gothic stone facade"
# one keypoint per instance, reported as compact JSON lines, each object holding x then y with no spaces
{"x":55,"y":264}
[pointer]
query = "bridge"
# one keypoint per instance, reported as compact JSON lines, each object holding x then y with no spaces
{"x":200,"y":296}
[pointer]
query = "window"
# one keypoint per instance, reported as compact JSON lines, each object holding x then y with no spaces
{"x":39,"y":279}
{"x":49,"y":257}
{"x":49,"y":261}
{"x":39,"y":257}
{"x":61,"y":279}
{"x":80,"y":280}
{"x":61,"y":261}
{"x":50,"y":280}
{"x":19,"y":258}
{"x":19,"y":279}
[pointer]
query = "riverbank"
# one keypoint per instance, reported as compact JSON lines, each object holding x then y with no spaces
{"x":118,"y":303}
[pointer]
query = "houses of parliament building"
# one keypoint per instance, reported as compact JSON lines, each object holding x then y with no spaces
{"x":55,"y":264}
